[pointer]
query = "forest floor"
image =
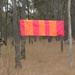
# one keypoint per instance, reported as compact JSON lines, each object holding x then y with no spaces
{"x":42,"y":58}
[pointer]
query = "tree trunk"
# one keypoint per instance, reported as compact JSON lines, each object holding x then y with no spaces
{"x":70,"y":33}
{"x":73,"y":18}
{"x":48,"y":16}
{"x":61,"y":18}
{"x":16,"y":36}
{"x":23,"y":39}
{"x":6,"y":25}
{"x":0,"y":25}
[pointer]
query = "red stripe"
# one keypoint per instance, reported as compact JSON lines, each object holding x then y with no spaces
{"x":46,"y":27}
{"x":35,"y":28}
{"x":22,"y":29}
{"x":60,"y":28}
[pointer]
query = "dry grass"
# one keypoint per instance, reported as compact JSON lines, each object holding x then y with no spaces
{"x":42,"y":58}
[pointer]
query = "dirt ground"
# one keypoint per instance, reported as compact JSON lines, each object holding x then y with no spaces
{"x":42,"y":58}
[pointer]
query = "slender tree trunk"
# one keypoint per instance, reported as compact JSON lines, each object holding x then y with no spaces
{"x":0,"y":24}
{"x":73,"y":18}
{"x":61,"y":39}
{"x":0,"y":21}
{"x":6,"y":25}
{"x":70,"y":32}
{"x":28,"y":18}
{"x":61,"y":18}
{"x":65,"y":19}
{"x":16,"y":36}
{"x":23,"y":39}
{"x":48,"y":16}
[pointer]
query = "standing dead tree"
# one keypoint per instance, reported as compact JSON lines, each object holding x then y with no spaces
{"x":70,"y":32}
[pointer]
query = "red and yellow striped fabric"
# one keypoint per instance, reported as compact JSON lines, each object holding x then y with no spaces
{"x":41,"y":28}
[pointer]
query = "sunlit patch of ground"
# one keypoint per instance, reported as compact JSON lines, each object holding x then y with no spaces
{"x":42,"y":58}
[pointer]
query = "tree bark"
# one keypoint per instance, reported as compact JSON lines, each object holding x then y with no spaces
{"x":73,"y":18}
{"x":16,"y":36}
{"x":6,"y":25}
{"x":23,"y":39}
{"x":0,"y":24}
{"x":70,"y":32}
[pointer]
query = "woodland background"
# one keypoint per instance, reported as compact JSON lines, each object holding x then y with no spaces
{"x":42,"y":55}
{"x":35,"y":9}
